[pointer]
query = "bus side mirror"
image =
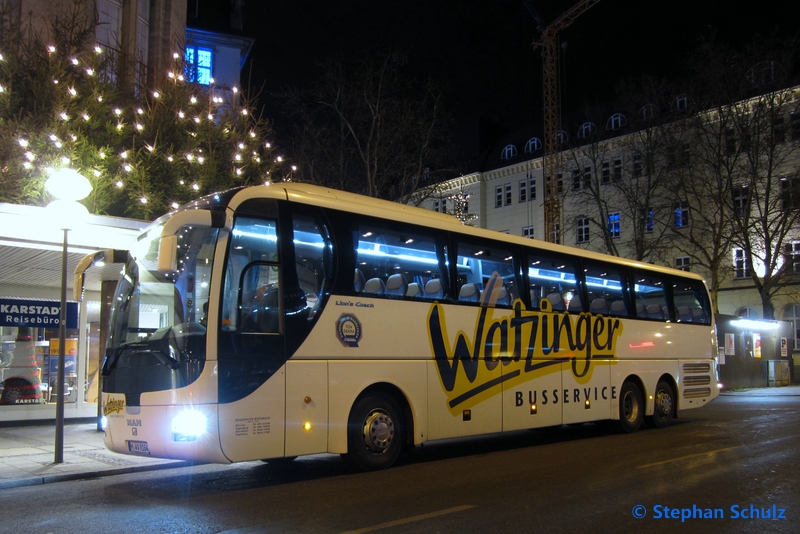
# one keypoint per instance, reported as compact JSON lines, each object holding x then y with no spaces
{"x":168,"y":255}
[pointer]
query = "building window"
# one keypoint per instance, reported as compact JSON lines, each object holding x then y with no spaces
{"x":792,"y":257}
{"x":606,"y":174}
{"x":790,"y":193}
{"x":792,"y":314}
{"x":523,"y":191}
{"x":794,"y":124}
{"x":199,"y":64}
{"x":435,"y":205}
{"x":508,"y":152}
{"x":533,"y":145}
{"x":527,"y":231}
{"x":576,"y":179}
{"x":614,"y":224}
{"x":587,"y":129}
{"x":681,"y":214}
{"x":648,"y":220}
{"x":560,"y":182}
{"x":532,"y":191}
{"x":616,"y":121}
{"x":587,"y":176}
{"x":741,"y":264}
{"x":730,"y":141}
{"x":582,"y":230}
{"x":741,"y":197}
{"x":508,"y":194}
{"x":637,"y":165}
{"x":555,"y":235}
{"x":444,"y":205}
{"x":681,"y":103}
{"x":747,"y":312}
{"x":678,"y":156}
{"x":498,"y":196}
{"x":682,"y":263}
{"x":778,"y":130}
{"x":745,"y":142}
{"x":617,"y":169}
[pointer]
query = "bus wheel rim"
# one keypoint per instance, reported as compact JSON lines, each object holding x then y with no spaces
{"x":630,"y":407}
{"x":378,"y":431}
{"x":664,"y":403}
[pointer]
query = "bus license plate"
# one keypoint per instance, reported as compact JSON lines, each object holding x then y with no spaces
{"x":139,"y":447}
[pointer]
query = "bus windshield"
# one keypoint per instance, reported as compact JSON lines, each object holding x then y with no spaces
{"x":159,"y":320}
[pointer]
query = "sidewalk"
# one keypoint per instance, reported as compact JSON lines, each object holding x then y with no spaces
{"x":27,"y":453}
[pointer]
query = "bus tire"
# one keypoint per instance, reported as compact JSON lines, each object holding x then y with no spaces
{"x":664,"y":405}
{"x":631,"y":407}
{"x":375,"y":432}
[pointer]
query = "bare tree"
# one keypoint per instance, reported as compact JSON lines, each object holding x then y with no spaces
{"x":368,"y":127}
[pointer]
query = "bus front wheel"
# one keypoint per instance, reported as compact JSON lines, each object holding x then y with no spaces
{"x":374,"y":432}
{"x":631,"y":407}
{"x":664,"y":406}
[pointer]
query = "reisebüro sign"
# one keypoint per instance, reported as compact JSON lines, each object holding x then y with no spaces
{"x":36,"y":313}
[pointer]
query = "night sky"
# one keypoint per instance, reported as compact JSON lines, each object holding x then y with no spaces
{"x":482,"y":48}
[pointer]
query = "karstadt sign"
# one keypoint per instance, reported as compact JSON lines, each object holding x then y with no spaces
{"x":36,"y":313}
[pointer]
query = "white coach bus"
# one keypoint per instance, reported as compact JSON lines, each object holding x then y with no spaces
{"x":288,"y":319}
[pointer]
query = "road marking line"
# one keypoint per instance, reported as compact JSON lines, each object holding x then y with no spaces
{"x":410,"y":519}
{"x":687,"y":457}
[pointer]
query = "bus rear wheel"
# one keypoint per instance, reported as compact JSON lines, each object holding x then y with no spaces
{"x":374,"y":432}
{"x":631,"y":407}
{"x":664,"y":406}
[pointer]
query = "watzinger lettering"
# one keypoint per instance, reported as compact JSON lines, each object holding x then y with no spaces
{"x":516,"y":348}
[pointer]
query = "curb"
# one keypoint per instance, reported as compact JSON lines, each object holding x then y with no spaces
{"x":49,"y":479}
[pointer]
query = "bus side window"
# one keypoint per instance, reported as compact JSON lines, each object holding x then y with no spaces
{"x":312,"y":259}
{"x":607,"y":289}
{"x":483,"y":267}
{"x":650,"y":297}
{"x":691,"y":304}
{"x":399,"y":262}
{"x":261,"y":299}
{"x":553,"y":277}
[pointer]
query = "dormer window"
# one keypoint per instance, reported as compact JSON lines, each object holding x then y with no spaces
{"x":508,"y":152}
{"x":616,"y":121}
{"x":647,"y":112}
{"x":534,"y":144}
{"x":681,"y":103}
{"x":587,"y":129}
{"x":562,"y":136}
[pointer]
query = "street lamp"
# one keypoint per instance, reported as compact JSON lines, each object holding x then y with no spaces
{"x":68,"y":186}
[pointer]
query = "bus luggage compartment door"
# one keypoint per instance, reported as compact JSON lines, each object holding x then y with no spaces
{"x":306,"y":407}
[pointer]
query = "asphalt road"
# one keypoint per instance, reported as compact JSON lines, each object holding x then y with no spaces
{"x":711,"y":471}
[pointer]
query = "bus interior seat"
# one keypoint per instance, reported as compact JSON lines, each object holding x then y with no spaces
{"x":469,"y":293}
{"x":374,"y":286}
{"x":684,"y":314}
{"x":575,"y":304}
{"x":599,"y":305}
{"x":359,"y":282}
{"x":396,"y":285}
{"x":414,"y":290}
{"x":618,"y":308}
{"x":433,"y":289}
{"x":503,"y":297}
{"x":698,"y":316}
{"x":556,"y":301}
{"x":654,"y":311}
{"x":641,"y":310}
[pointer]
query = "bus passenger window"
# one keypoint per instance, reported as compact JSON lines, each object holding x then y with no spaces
{"x":691,"y":304}
{"x":482,"y":268}
{"x":552,"y":277}
{"x":606,"y":289}
{"x":650,"y":297}
{"x":398,"y":262}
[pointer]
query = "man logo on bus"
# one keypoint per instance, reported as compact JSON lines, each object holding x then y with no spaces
{"x":516,"y":347}
{"x":348,"y":329}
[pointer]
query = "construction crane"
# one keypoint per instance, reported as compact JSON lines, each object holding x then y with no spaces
{"x":549,"y":43}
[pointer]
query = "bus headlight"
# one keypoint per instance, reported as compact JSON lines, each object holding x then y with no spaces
{"x":188,"y":425}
